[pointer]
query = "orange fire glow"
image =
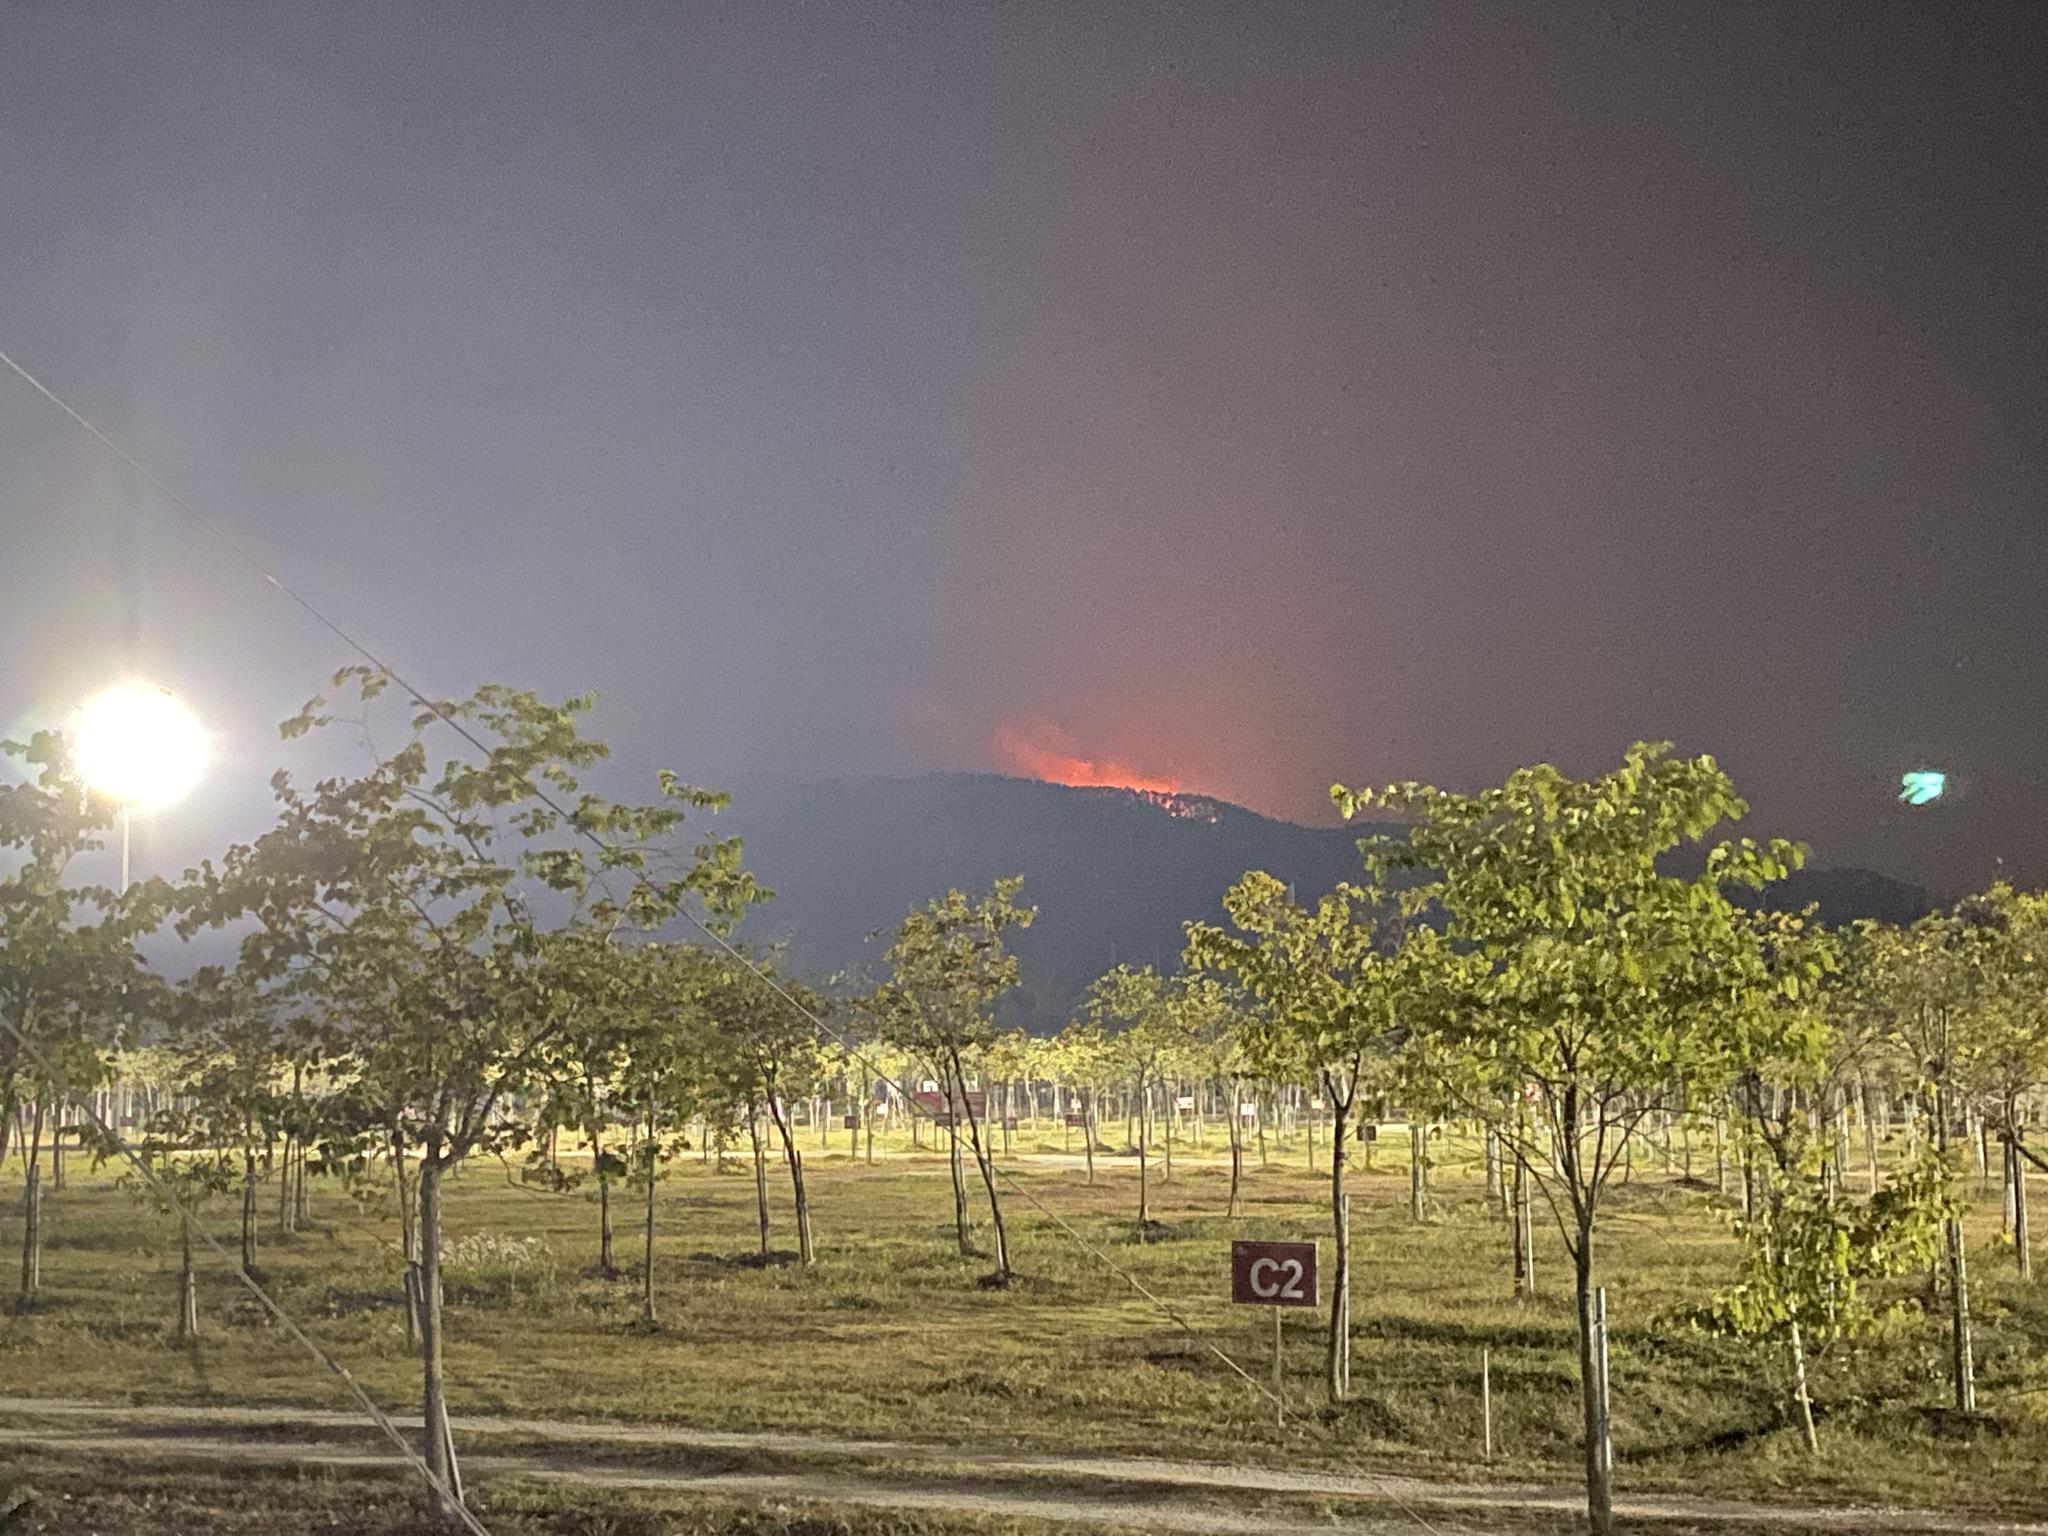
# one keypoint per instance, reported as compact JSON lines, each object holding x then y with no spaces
{"x":1039,"y":750}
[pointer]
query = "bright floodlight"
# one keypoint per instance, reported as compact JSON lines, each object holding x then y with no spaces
{"x":1922,"y":786}
{"x":137,"y":744}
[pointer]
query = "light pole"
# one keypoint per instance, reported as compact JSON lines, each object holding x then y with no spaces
{"x":138,"y":745}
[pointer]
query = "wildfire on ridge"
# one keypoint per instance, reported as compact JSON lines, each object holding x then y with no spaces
{"x":1042,"y":751}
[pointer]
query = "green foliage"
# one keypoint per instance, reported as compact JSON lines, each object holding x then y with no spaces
{"x":948,"y":966}
{"x":1812,"y":1254}
{"x":71,"y":979}
{"x":1588,"y":978}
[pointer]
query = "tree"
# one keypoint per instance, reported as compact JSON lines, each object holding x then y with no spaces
{"x":1811,"y":1253}
{"x":948,"y":967}
{"x":2002,"y":1035}
{"x":72,"y":983}
{"x":773,"y":1053}
{"x":1600,"y":979}
{"x":423,"y":908}
{"x":230,"y":1051}
{"x":181,"y":1168}
{"x":1924,"y":975}
{"x":1133,"y":1012}
{"x":1334,"y":1008}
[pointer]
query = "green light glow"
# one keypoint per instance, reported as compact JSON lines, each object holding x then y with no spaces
{"x":1922,"y":786}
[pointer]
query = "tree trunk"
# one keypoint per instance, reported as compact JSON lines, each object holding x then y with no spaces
{"x":1800,"y":1398}
{"x":604,"y":1202}
{"x":1414,"y":1171}
{"x":760,"y":1174}
{"x":1869,"y":1138}
{"x":956,"y":1105}
{"x":984,"y":1160}
{"x":1525,"y":1287}
{"x":439,"y":1448}
{"x":805,"y":1253}
{"x":1236,"y":1152}
{"x":248,"y":1210}
{"x":1962,"y":1365}
{"x":31,"y":1235}
{"x":1339,"y":1362}
{"x":1144,"y":1180}
{"x":188,"y":1286}
{"x":2021,"y":1242}
{"x":1491,"y":1157}
{"x":1088,"y":1130}
{"x":1593,"y":1391}
{"x":32,"y":1212}
{"x":1167,"y":1110}
{"x":647,"y":1317}
{"x":408,"y":1239}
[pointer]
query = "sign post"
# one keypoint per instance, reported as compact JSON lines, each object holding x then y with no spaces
{"x":1273,"y":1275}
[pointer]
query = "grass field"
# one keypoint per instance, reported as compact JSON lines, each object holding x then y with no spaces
{"x":891,"y":1336}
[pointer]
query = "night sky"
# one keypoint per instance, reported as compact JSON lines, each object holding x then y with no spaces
{"x":1253,"y":395}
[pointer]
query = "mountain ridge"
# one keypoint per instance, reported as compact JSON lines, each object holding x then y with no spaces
{"x":1114,"y":873}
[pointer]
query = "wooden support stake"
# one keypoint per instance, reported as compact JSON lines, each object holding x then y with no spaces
{"x":1279,"y":1401}
{"x":1486,"y":1400}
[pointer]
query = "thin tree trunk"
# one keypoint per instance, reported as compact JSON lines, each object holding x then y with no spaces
{"x":32,"y":1211}
{"x":1339,"y":1362}
{"x":963,"y":1223}
{"x":188,"y":1286}
{"x":408,"y":1240}
{"x":795,"y":1159}
{"x":984,"y":1160}
{"x":1144,"y":1180}
{"x":248,"y":1210}
{"x":1593,"y":1394}
{"x":604,"y":1202}
{"x":1236,"y":1152}
{"x":1088,"y":1129}
{"x":439,"y":1449}
{"x":1962,"y":1364}
{"x":760,"y":1173}
{"x":1800,"y":1398}
{"x":647,"y":1317}
{"x":1414,"y":1171}
{"x":2022,"y":1243}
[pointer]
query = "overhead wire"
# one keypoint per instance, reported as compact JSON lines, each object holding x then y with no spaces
{"x":764,"y":977}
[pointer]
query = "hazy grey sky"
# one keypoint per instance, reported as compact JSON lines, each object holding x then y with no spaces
{"x":1259,"y":394}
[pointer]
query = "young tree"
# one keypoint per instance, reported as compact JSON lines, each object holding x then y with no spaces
{"x":1810,"y":1251}
{"x":1336,"y":1006}
{"x":2002,"y":1045}
{"x":72,"y":984}
{"x":1132,"y":1010}
{"x":423,"y":906}
{"x":774,"y":1054}
{"x":186,"y":1170}
{"x":948,"y":967}
{"x":1600,"y":980}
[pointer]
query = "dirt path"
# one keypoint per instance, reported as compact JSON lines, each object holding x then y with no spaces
{"x":1199,"y":1498}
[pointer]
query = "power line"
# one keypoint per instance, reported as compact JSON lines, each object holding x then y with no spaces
{"x":764,"y":977}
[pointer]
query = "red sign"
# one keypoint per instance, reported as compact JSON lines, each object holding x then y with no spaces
{"x":1273,"y":1274}
{"x":1077,"y":1122}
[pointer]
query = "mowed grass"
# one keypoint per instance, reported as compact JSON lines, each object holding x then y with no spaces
{"x":893,"y":1335}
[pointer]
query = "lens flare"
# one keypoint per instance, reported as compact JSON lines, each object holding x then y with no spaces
{"x":1923,"y":786}
{"x":136,"y":743}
